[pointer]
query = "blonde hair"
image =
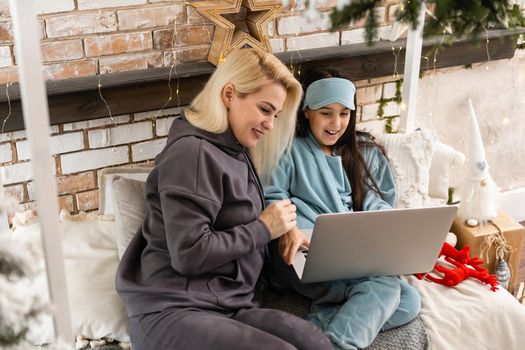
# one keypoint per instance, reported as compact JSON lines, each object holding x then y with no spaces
{"x":248,"y":70}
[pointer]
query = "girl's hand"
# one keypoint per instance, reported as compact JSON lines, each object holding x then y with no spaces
{"x":279,"y":217}
{"x":290,"y":242}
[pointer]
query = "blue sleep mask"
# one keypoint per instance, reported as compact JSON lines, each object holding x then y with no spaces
{"x":330,"y":90}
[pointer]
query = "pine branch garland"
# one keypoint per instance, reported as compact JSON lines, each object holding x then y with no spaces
{"x":462,"y":17}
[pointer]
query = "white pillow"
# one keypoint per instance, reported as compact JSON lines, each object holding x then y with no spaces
{"x":410,"y":157}
{"x":91,"y":260}
{"x":443,"y":158}
{"x":130,"y":208}
{"x":105,"y":178}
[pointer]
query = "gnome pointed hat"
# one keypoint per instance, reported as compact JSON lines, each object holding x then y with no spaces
{"x":477,"y":166}
{"x":479,"y":193}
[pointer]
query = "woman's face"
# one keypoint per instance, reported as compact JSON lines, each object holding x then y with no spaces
{"x":250,"y":117}
{"x":328,"y":124}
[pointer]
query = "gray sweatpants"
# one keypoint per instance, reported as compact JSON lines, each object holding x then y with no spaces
{"x":253,"y":329}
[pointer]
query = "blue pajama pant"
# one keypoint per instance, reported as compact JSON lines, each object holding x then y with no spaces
{"x":351,"y":312}
{"x":372,"y":304}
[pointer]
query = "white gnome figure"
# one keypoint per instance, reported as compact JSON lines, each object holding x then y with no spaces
{"x":479,"y":193}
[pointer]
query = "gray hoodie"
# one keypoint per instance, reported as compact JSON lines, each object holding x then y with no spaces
{"x":201,"y":243}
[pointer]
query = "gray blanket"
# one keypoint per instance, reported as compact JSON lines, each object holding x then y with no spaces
{"x":411,"y":336}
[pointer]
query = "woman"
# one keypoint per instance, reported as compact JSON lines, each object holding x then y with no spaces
{"x":334,"y":168}
{"x":188,"y":275}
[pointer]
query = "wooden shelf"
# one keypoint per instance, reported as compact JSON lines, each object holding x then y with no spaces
{"x":78,"y":99}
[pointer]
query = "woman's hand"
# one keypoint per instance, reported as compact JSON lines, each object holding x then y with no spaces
{"x":279,"y":217}
{"x":290,"y":242}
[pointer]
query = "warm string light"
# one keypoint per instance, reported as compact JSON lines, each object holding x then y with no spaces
{"x":173,"y":70}
{"x":487,"y":41}
{"x":9,"y":108}
{"x":99,"y":86}
{"x":395,"y":74}
{"x":292,"y":68}
{"x":8,"y":103}
{"x":434,"y":60}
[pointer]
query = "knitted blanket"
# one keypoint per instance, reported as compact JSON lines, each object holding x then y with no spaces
{"x":411,"y":336}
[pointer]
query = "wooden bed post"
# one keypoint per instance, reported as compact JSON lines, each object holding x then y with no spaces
{"x":411,"y":74}
{"x":36,"y":120}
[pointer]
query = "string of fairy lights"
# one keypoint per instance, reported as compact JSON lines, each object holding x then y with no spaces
{"x":293,"y":8}
{"x":99,"y":89}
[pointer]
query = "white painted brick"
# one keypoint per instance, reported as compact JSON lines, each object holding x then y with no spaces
{"x":18,"y":172}
{"x":15,"y":191}
{"x":277,"y":45}
{"x":54,"y":6}
{"x":6,"y":155}
{"x":6,"y":60}
{"x":389,"y":90}
{"x":391,"y":109}
{"x":312,"y":41}
{"x":298,"y":24}
{"x":392,"y":12}
{"x":380,"y":13}
{"x":162,"y":126}
{"x":13,"y":135}
{"x":94,"y":159}
{"x":59,"y":144}
{"x":31,"y":190}
{"x":77,"y":24}
{"x":128,"y":62}
{"x":120,"y":135}
{"x":23,"y":150}
{"x":94,"y":123}
{"x":153,"y":114}
{"x":147,"y":150}
{"x":355,"y":36}
{"x":369,"y":94}
{"x":271,"y":28}
{"x":151,"y":17}
{"x":4,"y":9}
{"x":97,"y":4}
{"x":369,"y":112}
{"x":375,"y":127}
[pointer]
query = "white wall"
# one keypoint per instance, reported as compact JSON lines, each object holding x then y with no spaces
{"x":497,"y":90}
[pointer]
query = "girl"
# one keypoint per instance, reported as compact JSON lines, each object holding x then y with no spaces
{"x":334,"y":168}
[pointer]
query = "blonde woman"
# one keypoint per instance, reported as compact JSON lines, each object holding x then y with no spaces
{"x":188,"y":275}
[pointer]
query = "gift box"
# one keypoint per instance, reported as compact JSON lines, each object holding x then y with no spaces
{"x":478,"y":239}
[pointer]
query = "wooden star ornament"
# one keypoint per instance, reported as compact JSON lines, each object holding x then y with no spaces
{"x":245,"y":24}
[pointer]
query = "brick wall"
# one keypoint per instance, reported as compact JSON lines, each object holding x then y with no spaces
{"x":87,"y":37}
{"x":81,"y":149}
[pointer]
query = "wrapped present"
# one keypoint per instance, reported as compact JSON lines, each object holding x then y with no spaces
{"x":500,"y":237}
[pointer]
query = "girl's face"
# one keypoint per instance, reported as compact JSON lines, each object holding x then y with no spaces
{"x":251,"y":116}
{"x":328,"y":124}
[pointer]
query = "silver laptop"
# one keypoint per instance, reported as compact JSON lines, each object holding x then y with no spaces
{"x":373,"y":243}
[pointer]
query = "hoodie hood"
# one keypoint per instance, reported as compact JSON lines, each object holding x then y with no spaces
{"x":182,"y":128}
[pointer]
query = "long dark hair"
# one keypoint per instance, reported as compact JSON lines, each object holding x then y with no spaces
{"x":348,"y":145}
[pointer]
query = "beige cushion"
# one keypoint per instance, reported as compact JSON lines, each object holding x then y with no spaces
{"x":444,"y":158}
{"x":105,"y":177}
{"x":91,"y":259}
{"x":129,"y":207}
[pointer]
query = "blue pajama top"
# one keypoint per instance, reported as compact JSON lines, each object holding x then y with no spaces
{"x":317,"y":183}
